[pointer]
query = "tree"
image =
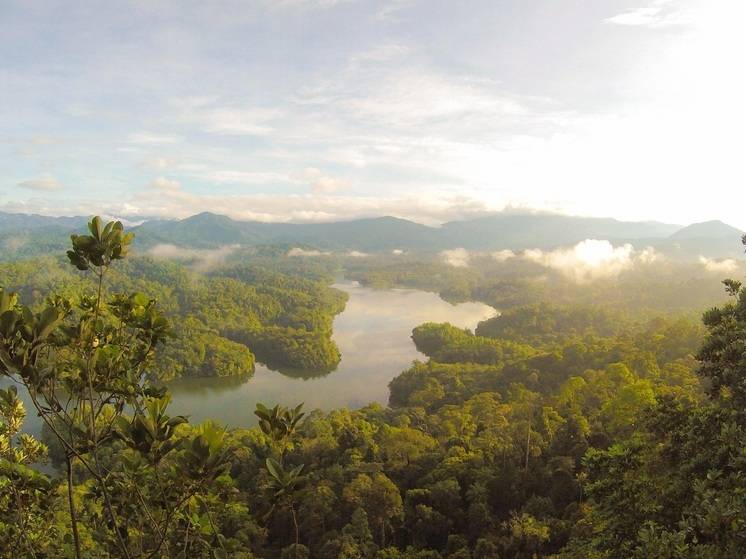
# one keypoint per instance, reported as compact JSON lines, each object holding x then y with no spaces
{"x":525,"y":535}
{"x":24,"y":492}
{"x":674,"y":488}
{"x":379,"y":497}
{"x":84,"y":364}
{"x":283,"y":485}
{"x":280,"y":425}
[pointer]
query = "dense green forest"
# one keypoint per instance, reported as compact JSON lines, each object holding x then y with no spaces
{"x":222,"y":320}
{"x":558,"y":429}
{"x":665,"y":287}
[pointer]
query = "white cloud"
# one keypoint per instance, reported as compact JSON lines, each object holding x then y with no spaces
{"x":44,"y":140}
{"x":35,"y":146}
{"x":165,"y":184}
{"x":457,"y":257}
{"x":244,"y":177}
{"x":430,"y":209}
{"x":157,"y":163}
{"x":397,"y":252}
{"x":658,"y":13}
{"x":309,"y":3}
{"x":318,"y":182}
{"x":381,"y":53}
{"x":296,"y":252}
{"x":645,"y":112}
{"x":202,"y":260}
{"x":148,"y":138}
{"x":357,"y":254}
{"x":227,"y":121}
{"x":402,"y":99}
{"x":46,"y":183}
{"x":718,"y":266}
{"x":503,"y":255}
{"x":649,"y":255}
{"x":425,"y":128}
{"x":389,"y":8}
{"x":588,"y":260}
{"x":240,"y":122}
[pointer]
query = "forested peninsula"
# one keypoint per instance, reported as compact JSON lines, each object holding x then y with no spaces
{"x":223,"y":320}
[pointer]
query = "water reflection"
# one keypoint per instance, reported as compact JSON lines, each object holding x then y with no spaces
{"x":304,"y":374}
{"x":215,"y":386}
{"x":373,"y":335}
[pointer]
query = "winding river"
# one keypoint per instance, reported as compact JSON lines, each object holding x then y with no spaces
{"x":373,"y":335}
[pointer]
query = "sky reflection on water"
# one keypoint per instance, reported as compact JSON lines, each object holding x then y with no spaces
{"x":373,"y":335}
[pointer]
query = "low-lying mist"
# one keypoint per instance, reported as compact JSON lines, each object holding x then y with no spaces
{"x":200,"y":260}
{"x":588,"y":260}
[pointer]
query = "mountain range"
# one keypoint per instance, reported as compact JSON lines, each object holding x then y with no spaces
{"x":494,"y":232}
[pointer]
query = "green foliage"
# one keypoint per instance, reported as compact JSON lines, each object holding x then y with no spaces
{"x":558,"y":303}
{"x":379,"y":497}
{"x":84,"y":366}
{"x":222,"y":321}
{"x":279,"y":424}
{"x":674,"y":487}
{"x":558,"y":430}
{"x":543,"y":323}
{"x":447,"y":344}
{"x":105,"y":243}
{"x":24,"y":492}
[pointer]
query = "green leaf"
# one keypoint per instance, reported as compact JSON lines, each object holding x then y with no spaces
{"x":274,"y":468}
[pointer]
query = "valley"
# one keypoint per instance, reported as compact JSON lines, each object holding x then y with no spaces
{"x":427,"y":424}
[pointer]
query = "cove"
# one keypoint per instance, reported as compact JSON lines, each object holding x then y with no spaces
{"x":374,"y":337}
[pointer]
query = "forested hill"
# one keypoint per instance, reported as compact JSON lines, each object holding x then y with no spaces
{"x":553,"y":432}
{"x":222,"y":321}
{"x":29,"y":235}
{"x":499,"y":231}
{"x":210,"y":230}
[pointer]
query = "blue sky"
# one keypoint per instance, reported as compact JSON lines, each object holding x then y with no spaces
{"x":313,"y":110}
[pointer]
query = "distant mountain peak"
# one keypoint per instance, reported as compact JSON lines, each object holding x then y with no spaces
{"x":207,"y":216}
{"x":506,"y":230}
{"x":714,"y":229}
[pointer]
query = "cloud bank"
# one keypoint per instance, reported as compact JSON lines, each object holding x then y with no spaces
{"x":202,"y":260}
{"x":589,"y":260}
{"x":318,"y":182}
{"x":718,"y":266}
{"x":503,"y":255}
{"x":167,"y":198}
{"x":302,"y":252}
{"x":658,"y":13}
{"x":389,"y":101}
{"x":46,"y":183}
{"x":164,"y":184}
{"x":457,"y":257}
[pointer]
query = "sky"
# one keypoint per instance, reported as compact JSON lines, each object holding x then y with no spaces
{"x":319,"y":110}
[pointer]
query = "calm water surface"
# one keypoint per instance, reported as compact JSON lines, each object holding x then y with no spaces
{"x":373,"y":335}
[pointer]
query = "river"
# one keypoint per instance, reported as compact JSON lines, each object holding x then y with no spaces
{"x":373,"y":335}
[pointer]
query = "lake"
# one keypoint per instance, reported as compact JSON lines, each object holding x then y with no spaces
{"x":373,"y":335}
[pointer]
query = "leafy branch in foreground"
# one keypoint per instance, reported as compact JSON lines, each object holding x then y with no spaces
{"x":84,"y":364}
{"x":21,"y":487}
